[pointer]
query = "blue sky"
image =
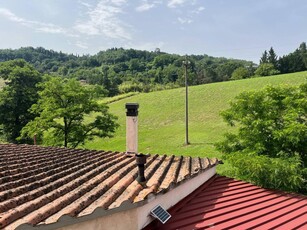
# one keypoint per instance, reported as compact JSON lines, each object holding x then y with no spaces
{"x":231,"y":28}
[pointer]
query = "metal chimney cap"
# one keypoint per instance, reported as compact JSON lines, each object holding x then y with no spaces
{"x":132,"y":109}
{"x":140,"y":159}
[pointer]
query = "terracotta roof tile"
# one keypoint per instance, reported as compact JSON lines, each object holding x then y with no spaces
{"x":39,"y":185}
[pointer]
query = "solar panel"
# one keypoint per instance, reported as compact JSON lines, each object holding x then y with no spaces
{"x":161,"y":214}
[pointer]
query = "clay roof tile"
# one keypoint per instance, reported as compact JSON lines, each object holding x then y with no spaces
{"x":39,"y":185}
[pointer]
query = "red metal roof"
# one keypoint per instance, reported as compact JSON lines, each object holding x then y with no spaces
{"x":225,"y":203}
{"x":39,"y":185}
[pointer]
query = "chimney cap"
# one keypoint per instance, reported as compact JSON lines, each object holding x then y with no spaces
{"x":132,"y":109}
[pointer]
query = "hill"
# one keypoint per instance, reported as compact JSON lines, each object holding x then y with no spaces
{"x":124,"y":70}
{"x":162,"y":116}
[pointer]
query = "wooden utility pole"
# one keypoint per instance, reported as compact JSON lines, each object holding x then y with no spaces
{"x":186,"y":64}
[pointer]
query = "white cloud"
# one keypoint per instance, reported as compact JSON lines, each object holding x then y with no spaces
{"x":81,"y":45}
{"x":118,"y":2}
{"x":198,"y":10}
{"x":145,"y":6}
{"x":38,"y":26}
{"x":87,"y":5}
{"x":175,"y":3}
{"x":51,"y":29}
{"x":184,"y":20}
{"x":10,"y":16}
{"x":103,"y":20}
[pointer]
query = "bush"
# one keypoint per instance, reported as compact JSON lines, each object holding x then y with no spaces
{"x":266,"y":69}
{"x":240,"y":73}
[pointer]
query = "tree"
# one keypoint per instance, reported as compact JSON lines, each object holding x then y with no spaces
{"x":266,"y":69}
{"x":269,"y":147}
{"x":272,"y":58}
{"x":62,"y":107}
{"x":303,"y":52}
{"x":291,"y":63}
{"x":240,"y":73}
{"x":18,"y":95}
{"x":264,"y":57}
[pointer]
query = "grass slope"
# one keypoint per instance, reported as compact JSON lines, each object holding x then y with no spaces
{"x":162,"y":116}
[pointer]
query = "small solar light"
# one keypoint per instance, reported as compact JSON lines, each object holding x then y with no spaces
{"x":161,"y":214}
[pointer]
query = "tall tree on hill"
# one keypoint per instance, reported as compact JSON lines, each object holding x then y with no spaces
{"x":272,"y":58}
{"x":264,"y":57}
{"x":17,"y":96}
{"x":61,"y":108}
{"x":303,"y":52}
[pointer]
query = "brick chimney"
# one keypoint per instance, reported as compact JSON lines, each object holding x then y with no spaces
{"x":132,"y":128}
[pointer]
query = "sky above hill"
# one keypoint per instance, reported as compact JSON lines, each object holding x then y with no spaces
{"x":240,"y":29}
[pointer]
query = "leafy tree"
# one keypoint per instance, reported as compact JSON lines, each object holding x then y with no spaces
{"x":61,"y":108}
{"x":269,"y":147}
{"x":224,"y":71}
{"x":18,"y":95}
{"x":266,"y":69}
{"x":240,"y":73}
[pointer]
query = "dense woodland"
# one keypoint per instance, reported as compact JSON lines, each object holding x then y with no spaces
{"x":124,"y":70}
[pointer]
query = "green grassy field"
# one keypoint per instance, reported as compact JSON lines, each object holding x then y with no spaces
{"x":162,"y":116}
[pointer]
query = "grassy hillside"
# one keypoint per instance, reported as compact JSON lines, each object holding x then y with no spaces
{"x":162,"y":116}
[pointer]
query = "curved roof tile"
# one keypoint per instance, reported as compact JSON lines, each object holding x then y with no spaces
{"x":40,"y":185}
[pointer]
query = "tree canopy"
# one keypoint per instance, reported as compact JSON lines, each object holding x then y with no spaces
{"x":17,"y":96}
{"x":269,"y":147}
{"x":62,"y":108}
{"x":116,"y":66}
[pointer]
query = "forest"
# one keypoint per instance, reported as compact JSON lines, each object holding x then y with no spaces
{"x":121,"y":70}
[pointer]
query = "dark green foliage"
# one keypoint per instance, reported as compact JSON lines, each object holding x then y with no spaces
{"x":294,"y":62}
{"x":279,"y":173}
{"x":19,"y":94}
{"x":272,"y":58}
{"x":269,"y":147}
{"x":268,"y":64}
{"x":62,"y":107}
{"x":115,"y":66}
{"x":264,"y":57}
{"x":290,"y":63}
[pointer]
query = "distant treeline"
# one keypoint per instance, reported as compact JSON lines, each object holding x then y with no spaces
{"x":290,"y":63}
{"x":127,"y":70}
